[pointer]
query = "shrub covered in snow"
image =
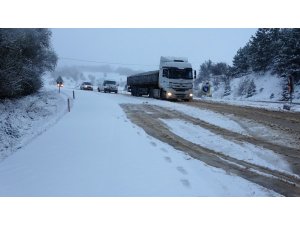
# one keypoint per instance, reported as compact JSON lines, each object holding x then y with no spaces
{"x":25,"y":54}
{"x":247,"y":87}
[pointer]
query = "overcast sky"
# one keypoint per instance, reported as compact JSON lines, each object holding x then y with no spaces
{"x":142,"y":48}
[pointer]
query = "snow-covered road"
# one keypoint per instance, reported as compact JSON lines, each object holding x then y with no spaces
{"x":96,"y":151}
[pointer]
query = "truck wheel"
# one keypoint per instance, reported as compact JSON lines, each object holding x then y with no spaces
{"x":133,"y":92}
{"x":151,"y":93}
{"x":162,"y":94}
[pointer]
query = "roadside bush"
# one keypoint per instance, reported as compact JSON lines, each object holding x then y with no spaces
{"x":25,"y":54}
{"x":246,"y":88}
{"x":227,"y":90}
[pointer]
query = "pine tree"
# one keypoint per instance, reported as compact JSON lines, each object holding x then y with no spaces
{"x":251,"y":89}
{"x":227,"y":90}
{"x":287,"y":62}
{"x":220,"y":68}
{"x":241,"y":61}
{"x":263,"y":49}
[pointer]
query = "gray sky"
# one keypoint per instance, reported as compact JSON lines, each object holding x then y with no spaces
{"x":143,"y":47}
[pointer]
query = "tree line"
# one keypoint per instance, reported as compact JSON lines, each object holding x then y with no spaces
{"x":25,"y":55}
{"x":274,"y":50}
{"x":270,"y":49}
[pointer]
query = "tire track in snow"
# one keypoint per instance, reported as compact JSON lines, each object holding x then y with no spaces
{"x":291,"y":155}
{"x":280,"y":182}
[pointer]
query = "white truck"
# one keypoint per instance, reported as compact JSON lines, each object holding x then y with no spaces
{"x":108,"y":86}
{"x":173,"y":80}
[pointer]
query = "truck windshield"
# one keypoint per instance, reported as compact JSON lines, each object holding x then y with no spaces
{"x":175,"y":73}
{"x":109,"y":82}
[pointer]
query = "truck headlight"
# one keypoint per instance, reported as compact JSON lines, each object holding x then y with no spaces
{"x":169,"y":94}
{"x":191,"y":95}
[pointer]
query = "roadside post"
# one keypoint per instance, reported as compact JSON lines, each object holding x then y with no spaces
{"x":73,"y":94}
{"x":69,"y":108}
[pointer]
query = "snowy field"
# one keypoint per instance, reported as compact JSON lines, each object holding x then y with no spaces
{"x":96,"y":151}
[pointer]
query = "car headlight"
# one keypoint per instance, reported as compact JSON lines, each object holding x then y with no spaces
{"x":169,"y":94}
{"x":191,"y":95}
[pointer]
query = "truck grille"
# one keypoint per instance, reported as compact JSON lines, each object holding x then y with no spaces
{"x":181,"y":89}
{"x":181,"y":86}
{"x":180,"y":95}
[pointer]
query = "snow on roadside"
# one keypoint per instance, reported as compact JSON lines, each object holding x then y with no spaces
{"x":267,"y":95}
{"x":21,"y":120}
{"x":273,"y":106}
{"x":243,"y":151}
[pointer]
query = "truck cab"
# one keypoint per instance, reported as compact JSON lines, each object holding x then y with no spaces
{"x":176,"y":78}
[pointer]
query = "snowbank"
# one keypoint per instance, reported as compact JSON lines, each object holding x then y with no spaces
{"x":267,"y":88}
{"x":23,"y":119}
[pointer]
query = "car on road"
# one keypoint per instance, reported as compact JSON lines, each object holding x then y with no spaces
{"x":86,"y":86}
{"x":108,"y":86}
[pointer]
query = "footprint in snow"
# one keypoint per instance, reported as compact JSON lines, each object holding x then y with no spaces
{"x":153,"y":143}
{"x":163,"y":149}
{"x":168,"y":159}
{"x":185,"y":183}
{"x":181,"y":170}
